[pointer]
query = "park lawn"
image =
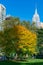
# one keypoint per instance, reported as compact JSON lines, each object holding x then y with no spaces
{"x":29,"y":62}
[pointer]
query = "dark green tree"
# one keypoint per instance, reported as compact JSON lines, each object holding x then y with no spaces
{"x":26,"y":24}
{"x":40,"y":40}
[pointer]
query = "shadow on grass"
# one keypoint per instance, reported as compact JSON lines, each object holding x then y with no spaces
{"x":17,"y":63}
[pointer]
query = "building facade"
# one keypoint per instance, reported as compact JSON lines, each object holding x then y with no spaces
{"x":2,"y":15}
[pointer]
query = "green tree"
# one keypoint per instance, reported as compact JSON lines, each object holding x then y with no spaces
{"x":10,"y":22}
{"x":40,"y":40}
{"x":7,"y":41}
{"x":33,"y":27}
{"x":26,"y":24}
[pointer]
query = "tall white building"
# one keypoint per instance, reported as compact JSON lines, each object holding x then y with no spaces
{"x":36,"y":18}
{"x":2,"y":15}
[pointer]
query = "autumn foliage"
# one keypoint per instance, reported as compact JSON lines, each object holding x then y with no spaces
{"x":25,"y":40}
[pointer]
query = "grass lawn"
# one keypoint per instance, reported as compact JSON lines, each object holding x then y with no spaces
{"x":29,"y":62}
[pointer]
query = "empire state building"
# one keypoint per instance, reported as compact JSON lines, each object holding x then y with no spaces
{"x":36,"y":18}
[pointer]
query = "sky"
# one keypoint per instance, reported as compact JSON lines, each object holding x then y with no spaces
{"x":24,"y":9}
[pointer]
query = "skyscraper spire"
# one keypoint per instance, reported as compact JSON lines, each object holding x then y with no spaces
{"x":36,"y":11}
{"x":36,"y":8}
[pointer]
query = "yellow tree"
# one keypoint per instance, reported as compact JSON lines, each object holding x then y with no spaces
{"x":26,"y":41}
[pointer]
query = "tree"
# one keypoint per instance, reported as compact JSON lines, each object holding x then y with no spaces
{"x":18,"y":37}
{"x":10,"y":22}
{"x":19,"y":40}
{"x":1,"y":43}
{"x":40,"y":40}
{"x":9,"y":37}
{"x":26,"y":24}
{"x":33,"y":27}
{"x":26,"y":41}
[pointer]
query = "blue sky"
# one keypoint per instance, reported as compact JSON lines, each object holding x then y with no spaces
{"x":24,"y":9}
